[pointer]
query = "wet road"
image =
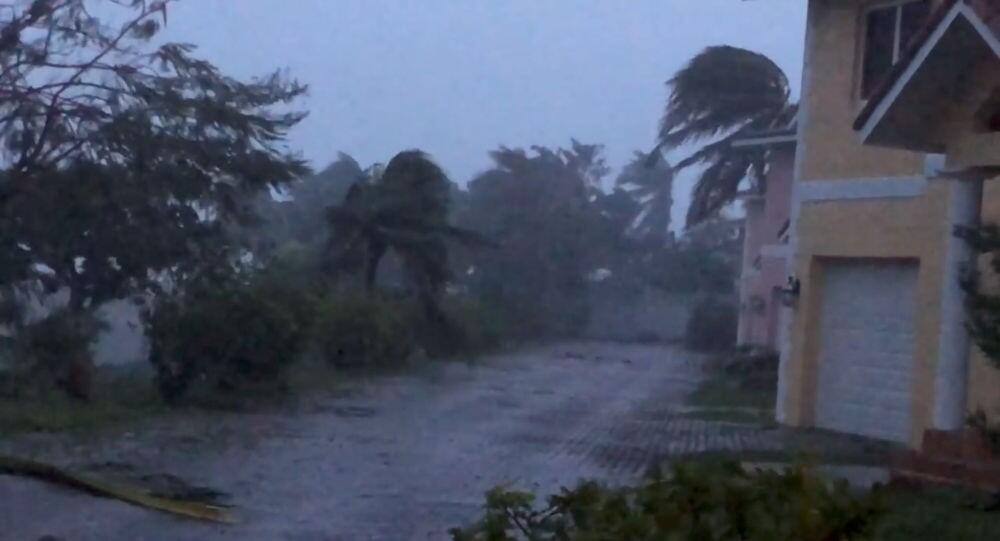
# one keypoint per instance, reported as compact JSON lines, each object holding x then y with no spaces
{"x":400,"y":457}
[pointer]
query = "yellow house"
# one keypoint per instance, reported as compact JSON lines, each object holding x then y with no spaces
{"x":899,"y":127}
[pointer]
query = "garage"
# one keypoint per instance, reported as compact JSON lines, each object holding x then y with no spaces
{"x":866,"y":348}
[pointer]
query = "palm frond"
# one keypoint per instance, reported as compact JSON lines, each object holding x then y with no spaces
{"x":720,"y":90}
{"x":46,"y":472}
{"x":718,"y":185}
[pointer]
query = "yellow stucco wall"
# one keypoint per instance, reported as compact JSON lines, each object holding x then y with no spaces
{"x":831,"y":149}
{"x":968,"y":143}
{"x":901,"y":229}
{"x":911,"y":228}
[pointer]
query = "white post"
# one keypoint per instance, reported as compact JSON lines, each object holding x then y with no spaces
{"x":951,"y":374}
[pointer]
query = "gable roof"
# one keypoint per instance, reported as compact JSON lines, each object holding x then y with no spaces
{"x":984,"y":15}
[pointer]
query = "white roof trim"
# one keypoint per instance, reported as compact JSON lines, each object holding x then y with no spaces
{"x":761,"y":141}
{"x":959,"y":9}
{"x":980,"y":25}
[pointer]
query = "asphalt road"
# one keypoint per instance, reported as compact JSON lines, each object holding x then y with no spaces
{"x":397,"y":457}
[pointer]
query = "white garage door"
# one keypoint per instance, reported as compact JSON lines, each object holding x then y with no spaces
{"x":866,"y":348}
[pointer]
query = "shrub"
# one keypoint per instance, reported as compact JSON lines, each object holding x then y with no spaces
{"x":484,"y":326}
{"x":980,"y":424}
{"x":228,"y":334}
{"x":698,"y":501}
{"x":355,"y":331}
{"x":57,"y":351}
{"x":711,"y":325}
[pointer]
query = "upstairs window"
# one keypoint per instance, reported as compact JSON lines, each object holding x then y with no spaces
{"x":888,"y":30}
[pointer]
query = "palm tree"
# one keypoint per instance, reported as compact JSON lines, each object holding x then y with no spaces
{"x":649,"y":179}
{"x":403,"y":209}
{"x":722,"y":94}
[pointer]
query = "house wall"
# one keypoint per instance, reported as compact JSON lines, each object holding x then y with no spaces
{"x":831,"y":149}
{"x":764,"y":256}
{"x":969,"y":144}
{"x":854,"y":201}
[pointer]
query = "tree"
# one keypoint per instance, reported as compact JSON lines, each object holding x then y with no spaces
{"x":124,"y":164}
{"x":298,"y":215}
{"x":125,"y":160}
{"x":649,"y":179}
{"x":722,"y":94}
{"x":403,"y":209}
{"x":543,"y":209}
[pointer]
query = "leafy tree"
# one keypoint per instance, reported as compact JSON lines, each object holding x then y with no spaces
{"x":125,"y":159}
{"x":124,"y":163}
{"x":298,"y":214}
{"x":542,"y":209}
{"x":722,"y":94}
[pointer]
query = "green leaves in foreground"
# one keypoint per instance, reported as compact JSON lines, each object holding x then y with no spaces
{"x":696,"y":502}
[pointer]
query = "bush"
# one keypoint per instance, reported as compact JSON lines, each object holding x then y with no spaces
{"x":484,"y":326}
{"x":56,"y":351}
{"x":227,"y":334}
{"x":698,"y":501}
{"x":355,"y":331}
{"x":711,"y":326}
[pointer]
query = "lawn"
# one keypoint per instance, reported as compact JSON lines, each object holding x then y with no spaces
{"x":723,"y":398}
{"x":124,"y":395}
{"x":121,"y":395}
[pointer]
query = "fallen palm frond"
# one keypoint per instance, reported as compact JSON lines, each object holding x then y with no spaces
{"x":138,"y":497}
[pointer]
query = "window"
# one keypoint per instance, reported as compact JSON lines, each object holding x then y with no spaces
{"x":888,"y":30}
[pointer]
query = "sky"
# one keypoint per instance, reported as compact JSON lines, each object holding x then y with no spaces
{"x":458,"y":78}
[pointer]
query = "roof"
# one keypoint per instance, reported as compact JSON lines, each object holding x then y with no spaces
{"x":979,"y":12}
{"x":780,"y":136}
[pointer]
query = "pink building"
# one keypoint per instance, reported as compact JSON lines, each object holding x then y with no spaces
{"x":765,"y":240}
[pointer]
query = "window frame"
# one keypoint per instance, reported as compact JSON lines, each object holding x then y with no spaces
{"x":897,"y":38}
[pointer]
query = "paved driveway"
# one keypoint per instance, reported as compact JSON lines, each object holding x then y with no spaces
{"x":402,"y":457}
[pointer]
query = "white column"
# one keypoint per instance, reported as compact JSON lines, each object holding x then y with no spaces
{"x":951,"y":374}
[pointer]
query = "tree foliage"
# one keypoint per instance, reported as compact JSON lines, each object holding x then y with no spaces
{"x":298,"y":214}
{"x":649,"y":180}
{"x":541,"y":207}
{"x":125,"y":159}
{"x":403,"y":208}
{"x":722,"y":94}
{"x":983,"y":299}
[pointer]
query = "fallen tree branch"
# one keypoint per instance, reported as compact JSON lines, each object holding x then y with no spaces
{"x":52,"y":474}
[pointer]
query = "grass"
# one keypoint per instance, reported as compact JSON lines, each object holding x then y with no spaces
{"x":127,"y":395}
{"x":123,"y":395}
{"x":722,"y":398}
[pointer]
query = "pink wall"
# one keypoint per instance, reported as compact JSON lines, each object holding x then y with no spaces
{"x":764,"y":270}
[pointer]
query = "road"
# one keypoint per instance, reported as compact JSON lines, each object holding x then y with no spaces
{"x":397,"y":457}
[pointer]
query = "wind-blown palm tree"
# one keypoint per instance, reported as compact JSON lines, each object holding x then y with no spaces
{"x":403,"y":208}
{"x":649,"y":179}
{"x":722,"y":94}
